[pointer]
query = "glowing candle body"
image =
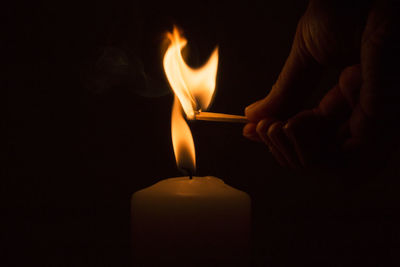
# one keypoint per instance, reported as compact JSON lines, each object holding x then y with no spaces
{"x":191,"y":222}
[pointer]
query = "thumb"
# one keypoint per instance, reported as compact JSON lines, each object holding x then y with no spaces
{"x":297,"y":78}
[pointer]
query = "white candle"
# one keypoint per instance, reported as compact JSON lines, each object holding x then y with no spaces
{"x":191,"y":222}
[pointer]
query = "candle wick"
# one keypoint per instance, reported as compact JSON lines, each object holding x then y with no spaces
{"x":189,"y":173}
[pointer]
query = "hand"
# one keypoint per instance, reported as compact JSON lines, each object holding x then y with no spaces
{"x":355,"y":122}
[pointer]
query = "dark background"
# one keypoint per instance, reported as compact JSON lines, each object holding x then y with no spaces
{"x":88,"y":124}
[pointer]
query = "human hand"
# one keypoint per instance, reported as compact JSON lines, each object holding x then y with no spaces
{"x":355,"y":121}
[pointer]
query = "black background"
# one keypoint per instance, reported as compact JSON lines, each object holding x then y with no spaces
{"x":82,"y":137}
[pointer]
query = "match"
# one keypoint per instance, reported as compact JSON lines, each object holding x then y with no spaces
{"x":220,"y":117}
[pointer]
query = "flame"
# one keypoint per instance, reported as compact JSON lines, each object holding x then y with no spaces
{"x":194,"y":90}
{"x":182,"y":139}
{"x":193,"y":87}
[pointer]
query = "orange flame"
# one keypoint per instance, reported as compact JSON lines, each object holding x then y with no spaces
{"x":182,"y":139}
{"x":194,"y":90}
{"x":193,"y":87}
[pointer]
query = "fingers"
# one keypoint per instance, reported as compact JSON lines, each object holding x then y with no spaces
{"x":298,"y":143}
{"x":338,"y":102}
{"x":350,"y":81}
{"x":305,"y":132}
{"x":315,"y":133}
{"x":380,"y":94}
{"x":249,"y":131}
{"x":297,"y":78}
{"x":281,"y":142}
{"x":364,"y":105}
{"x":311,"y":133}
{"x":271,"y":132}
{"x":262,"y":131}
{"x":373,"y":92}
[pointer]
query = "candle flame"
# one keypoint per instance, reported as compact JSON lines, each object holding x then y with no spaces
{"x":182,"y":139}
{"x":193,"y":89}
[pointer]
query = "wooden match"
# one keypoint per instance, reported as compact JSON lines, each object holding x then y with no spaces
{"x":211,"y":116}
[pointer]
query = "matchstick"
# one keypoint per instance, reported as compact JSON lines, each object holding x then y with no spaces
{"x":210,"y":116}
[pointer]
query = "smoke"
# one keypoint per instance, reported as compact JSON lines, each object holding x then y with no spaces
{"x":114,"y":67}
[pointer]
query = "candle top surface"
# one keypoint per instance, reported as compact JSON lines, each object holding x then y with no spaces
{"x":207,"y":186}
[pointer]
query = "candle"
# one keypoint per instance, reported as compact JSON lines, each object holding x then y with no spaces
{"x":191,"y":222}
